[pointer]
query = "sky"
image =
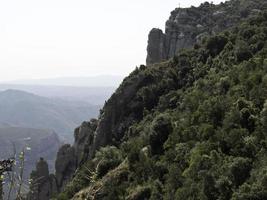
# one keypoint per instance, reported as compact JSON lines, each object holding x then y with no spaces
{"x":72,"y":38}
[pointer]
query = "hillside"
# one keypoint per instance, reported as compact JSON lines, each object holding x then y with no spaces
{"x":22,"y":109}
{"x":191,"y":127}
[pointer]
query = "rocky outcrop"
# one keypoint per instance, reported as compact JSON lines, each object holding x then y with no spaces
{"x":69,"y":158}
{"x":187,"y":26}
{"x":43,"y":185}
{"x":156,"y":46}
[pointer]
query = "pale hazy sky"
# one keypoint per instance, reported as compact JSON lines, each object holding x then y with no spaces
{"x":55,"y":38}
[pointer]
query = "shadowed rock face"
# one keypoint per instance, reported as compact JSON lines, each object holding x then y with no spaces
{"x":187,"y":26}
{"x":156,"y":46}
{"x":84,"y":138}
{"x":65,"y":164}
{"x":69,"y":158}
{"x":44,"y":185}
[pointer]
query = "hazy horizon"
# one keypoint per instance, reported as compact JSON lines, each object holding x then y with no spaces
{"x":105,"y":80}
{"x":52,"y":39}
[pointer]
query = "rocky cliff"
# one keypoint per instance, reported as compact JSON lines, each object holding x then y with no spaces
{"x":188,"y":26}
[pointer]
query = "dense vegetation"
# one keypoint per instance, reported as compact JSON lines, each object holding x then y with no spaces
{"x":199,"y":126}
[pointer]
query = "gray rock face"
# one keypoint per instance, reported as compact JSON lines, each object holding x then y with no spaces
{"x":186,"y":26}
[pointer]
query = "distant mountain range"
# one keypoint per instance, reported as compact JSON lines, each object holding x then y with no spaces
{"x":92,"y":95}
{"x":23,"y":109}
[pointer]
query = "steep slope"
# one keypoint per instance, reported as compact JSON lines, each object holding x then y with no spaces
{"x":193,"y":127}
{"x":22,"y":109}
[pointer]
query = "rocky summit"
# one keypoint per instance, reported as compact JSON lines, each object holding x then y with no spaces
{"x":188,"y":26}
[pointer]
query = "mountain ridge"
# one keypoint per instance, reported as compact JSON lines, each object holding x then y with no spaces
{"x":191,"y":127}
{"x":91,"y":95}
